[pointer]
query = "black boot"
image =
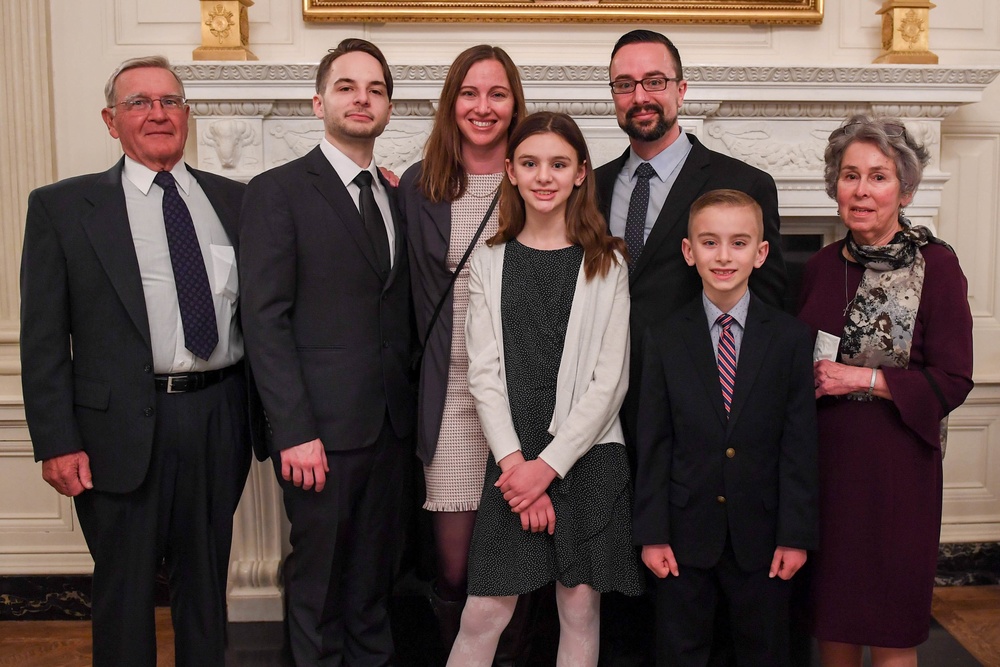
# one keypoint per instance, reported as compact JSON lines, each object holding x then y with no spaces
{"x":512,"y":649}
{"x":449,"y":618}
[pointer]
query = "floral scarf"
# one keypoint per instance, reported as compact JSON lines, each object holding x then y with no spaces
{"x":881,"y":317}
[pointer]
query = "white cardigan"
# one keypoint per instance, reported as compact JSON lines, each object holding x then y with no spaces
{"x":593,"y":370}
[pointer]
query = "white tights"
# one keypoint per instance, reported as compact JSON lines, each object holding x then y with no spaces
{"x":484,"y":619}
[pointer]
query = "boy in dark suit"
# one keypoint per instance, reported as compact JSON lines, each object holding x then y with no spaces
{"x":726,"y":488}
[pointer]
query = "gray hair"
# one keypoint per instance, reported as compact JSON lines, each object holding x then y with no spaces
{"x":134,"y":63}
{"x":909,"y":156}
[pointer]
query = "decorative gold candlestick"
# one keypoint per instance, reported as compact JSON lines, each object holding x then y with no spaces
{"x":905,"y":32}
{"x":225,"y":31}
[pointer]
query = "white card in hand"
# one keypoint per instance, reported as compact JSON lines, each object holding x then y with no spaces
{"x":826,"y":347}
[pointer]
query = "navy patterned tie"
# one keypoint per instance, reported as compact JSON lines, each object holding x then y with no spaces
{"x":727,"y":360}
{"x":635,"y":223}
{"x":374,"y":224}
{"x":194,"y":295}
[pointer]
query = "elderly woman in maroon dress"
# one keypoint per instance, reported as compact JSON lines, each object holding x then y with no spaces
{"x":897,"y":299}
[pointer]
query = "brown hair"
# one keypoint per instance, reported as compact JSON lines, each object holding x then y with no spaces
{"x":728,"y":199}
{"x":346,"y":46}
{"x":585,"y":225}
{"x":650,"y":37}
{"x":443,"y":175}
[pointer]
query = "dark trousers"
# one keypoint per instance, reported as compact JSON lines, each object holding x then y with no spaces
{"x":181,"y":514}
{"x":346,"y":542}
{"x":758,"y":614}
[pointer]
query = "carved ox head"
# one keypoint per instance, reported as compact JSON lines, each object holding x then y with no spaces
{"x":228,"y":137}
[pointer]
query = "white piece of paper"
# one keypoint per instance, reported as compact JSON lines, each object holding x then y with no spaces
{"x":826,"y":347}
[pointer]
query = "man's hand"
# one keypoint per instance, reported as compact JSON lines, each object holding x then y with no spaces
{"x":524,"y":483}
{"x":305,"y":465}
{"x":68,"y":474}
{"x":786,"y":562}
{"x":659,"y":558}
{"x":539,"y":516}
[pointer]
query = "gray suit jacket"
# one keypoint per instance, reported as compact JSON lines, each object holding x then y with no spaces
{"x":86,"y":356}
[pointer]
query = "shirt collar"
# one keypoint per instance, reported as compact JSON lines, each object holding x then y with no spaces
{"x":664,"y":162}
{"x":142,"y":176}
{"x":345,"y":167}
{"x":737,"y":312}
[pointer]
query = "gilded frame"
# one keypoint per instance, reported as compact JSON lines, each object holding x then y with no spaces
{"x":802,"y":12}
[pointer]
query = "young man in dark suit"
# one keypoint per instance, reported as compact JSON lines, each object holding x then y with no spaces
{"x":327,"y":315}
{"x":131,"y":355}
{"x":726,"y":489}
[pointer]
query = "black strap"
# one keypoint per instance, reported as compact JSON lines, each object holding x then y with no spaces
{"x":458,"y":269}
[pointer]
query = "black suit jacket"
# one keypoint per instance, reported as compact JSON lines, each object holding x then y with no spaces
{"x":662,"y":282}
{"x":86,"y":356}
{"x":761,"y":459}
{"x":328,"y":337}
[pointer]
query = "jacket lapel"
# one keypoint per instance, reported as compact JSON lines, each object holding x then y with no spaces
{"x":329,"y":185}
{"x":399,"y":247}
{"x":698,"y":341}
{"x":107,"y":227}
{"x":690,"y":181}
{"x":756,"y":338}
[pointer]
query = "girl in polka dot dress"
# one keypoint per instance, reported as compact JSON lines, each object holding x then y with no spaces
{"x":547,"y":336}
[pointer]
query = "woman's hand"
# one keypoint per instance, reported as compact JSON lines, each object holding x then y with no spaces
{"x":539,"y":516}
{"x":523,"y":483}
{"x":833,"y":379}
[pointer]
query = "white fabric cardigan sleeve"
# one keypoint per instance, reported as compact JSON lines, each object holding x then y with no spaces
{"x":597,"y":376}
{"x":483,"y":336}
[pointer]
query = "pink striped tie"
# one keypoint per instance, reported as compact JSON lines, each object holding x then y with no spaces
{"x":727,"y":360}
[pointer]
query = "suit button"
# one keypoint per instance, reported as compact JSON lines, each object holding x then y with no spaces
{"x":148,"y":368}
{"x":385,"y":344}
{"x":730,"y":453}
{"x":721,"y":499}
{"x":148,"y":412}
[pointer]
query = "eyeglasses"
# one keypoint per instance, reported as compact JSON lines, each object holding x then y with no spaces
{"x":892,"y":130}
{"x":145,"y":105}
{"x":651,"y":84}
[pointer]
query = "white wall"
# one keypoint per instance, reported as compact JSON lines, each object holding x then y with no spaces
{"x":89,"y":37}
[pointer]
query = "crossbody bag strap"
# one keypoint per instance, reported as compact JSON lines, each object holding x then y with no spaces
{"x":461,"y":264}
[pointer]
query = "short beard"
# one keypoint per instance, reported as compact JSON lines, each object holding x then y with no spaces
{"x":653,"y":133}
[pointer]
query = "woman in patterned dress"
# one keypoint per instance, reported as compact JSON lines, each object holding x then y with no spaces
{"x":444,"y":199}
{"x":896,"y":299}
{"x":547,"y":335}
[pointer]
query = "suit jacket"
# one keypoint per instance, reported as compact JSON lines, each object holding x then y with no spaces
{"x":661,"y":281}
{"x":702,"y":475}
{"x":328,"y":336}
{"x":86,"y":356}
{"x":428,"y":227}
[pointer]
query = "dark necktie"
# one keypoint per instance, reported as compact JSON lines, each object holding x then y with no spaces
{"x":635,"y":223}
{"x":374,"y":224}
{"x":194,"y":295}
{"x":727,"y":360}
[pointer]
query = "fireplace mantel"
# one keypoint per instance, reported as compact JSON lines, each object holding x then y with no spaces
{"x":253,"y":116}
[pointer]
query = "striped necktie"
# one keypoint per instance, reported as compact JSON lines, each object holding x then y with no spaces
{"x":727,"y":360}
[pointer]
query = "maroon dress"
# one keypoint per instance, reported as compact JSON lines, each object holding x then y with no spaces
{"x":880,"y":461}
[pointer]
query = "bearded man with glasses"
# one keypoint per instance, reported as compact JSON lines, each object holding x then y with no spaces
{"x":645,"y":195}
{"x":134,"y":385}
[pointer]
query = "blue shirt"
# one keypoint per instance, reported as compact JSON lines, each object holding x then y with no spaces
{"x":667,"y":164}
{"x":737,"y":312}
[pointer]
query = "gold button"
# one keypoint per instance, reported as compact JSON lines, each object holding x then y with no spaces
{"x":730,"y":453}
{"x":721,"y":499}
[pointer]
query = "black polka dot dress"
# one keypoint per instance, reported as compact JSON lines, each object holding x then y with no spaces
{"x":592,"y":541}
